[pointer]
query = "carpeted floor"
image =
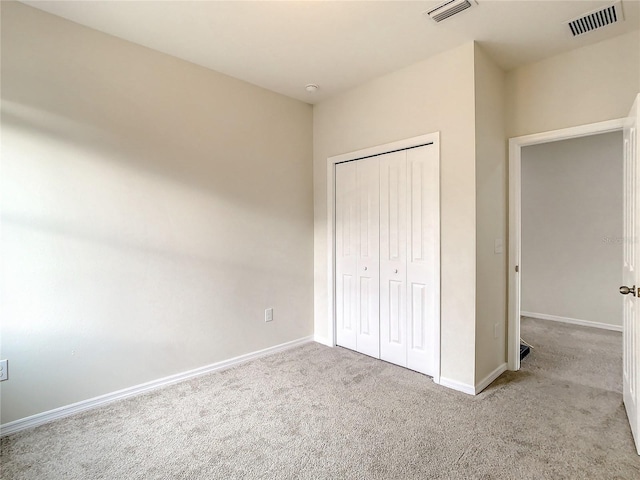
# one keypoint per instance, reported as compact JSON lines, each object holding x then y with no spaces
{"x":322,"y":413}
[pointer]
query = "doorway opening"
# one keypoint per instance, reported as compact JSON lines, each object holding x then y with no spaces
{"x":516,"y":146}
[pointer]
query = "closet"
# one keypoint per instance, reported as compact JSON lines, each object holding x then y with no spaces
{"x":387,"y":256}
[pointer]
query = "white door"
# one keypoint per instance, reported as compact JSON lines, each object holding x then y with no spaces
{"x":357,"y":256}
{"x":393,"y":258}
{"x":387,"y":245}
{"x":410,"y":258}
{"x":631,"y":311}
{"x":346,"y":254}
{"x":423,"y":259}
{"x":368,"y":263}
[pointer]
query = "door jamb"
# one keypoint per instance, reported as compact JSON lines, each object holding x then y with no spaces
{"x":515,"y":190}
{"x":430,"y":138}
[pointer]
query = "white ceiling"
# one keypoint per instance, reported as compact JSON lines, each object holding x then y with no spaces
{"x":283,"y":45}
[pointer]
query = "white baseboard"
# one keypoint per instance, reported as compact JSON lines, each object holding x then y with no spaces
{"x":573,"y":321}
{"x":323,"y":341}
{"x":455,"y":385}
{"x":470,"y":389}
{"x":84,"y":405}
{"x":488,"y":380}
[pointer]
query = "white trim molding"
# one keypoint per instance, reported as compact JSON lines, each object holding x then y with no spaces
{"x":470,"y":389}
{"x":74,"y":408}
{"x":427,"y":139}
{"x":456,"y":385}
{"x":573,"y":321}
{"x":323,"y":341}
{"x":488,"y":380}
{"x":515,"y":188}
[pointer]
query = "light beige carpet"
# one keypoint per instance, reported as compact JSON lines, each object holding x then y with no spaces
{"x":321,"y":413}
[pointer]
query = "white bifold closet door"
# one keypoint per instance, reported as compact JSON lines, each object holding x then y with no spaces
{"x":387,"y":258}
{"x":357,"y":256}
{"x":393,"y":258}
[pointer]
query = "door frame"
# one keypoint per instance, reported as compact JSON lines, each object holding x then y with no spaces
{"x":420,"y":140}
{"x":515,"y":191}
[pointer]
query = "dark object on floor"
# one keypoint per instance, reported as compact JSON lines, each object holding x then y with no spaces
{"x":524,"y":351}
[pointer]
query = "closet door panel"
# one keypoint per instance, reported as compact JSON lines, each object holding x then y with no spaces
{"x":387,"y":257}
{"x":346,"y":242}
{"x":393,"y":258}
{"x":368,"y":263}
{"x":423,"y":258}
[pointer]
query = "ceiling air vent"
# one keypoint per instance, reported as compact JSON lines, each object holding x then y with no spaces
{"x":448,"y":9}
{"x":597,"y":19}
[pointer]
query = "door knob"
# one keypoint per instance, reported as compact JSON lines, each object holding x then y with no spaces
{"x":396,"y":271}
{"x":626,"y":290}
{"x":365,"y":268}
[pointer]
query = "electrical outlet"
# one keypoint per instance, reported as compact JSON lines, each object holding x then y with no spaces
{"x":495,"y":330}
{"x":268,"y":315}
{"x":4,"y":370}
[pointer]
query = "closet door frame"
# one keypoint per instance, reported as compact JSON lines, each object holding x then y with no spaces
{"x":421,"y":140}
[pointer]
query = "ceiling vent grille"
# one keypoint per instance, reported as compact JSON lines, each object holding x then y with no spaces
{"x":448,"y":9}
{"x":596,"y":19}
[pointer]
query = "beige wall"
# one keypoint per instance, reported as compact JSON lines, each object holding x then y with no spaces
{"x":151,"y":211}
{"x":572,"y":228}
{"x":434,"y":95}
{"x":587,"y":85}
{"x":491,"y":216}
